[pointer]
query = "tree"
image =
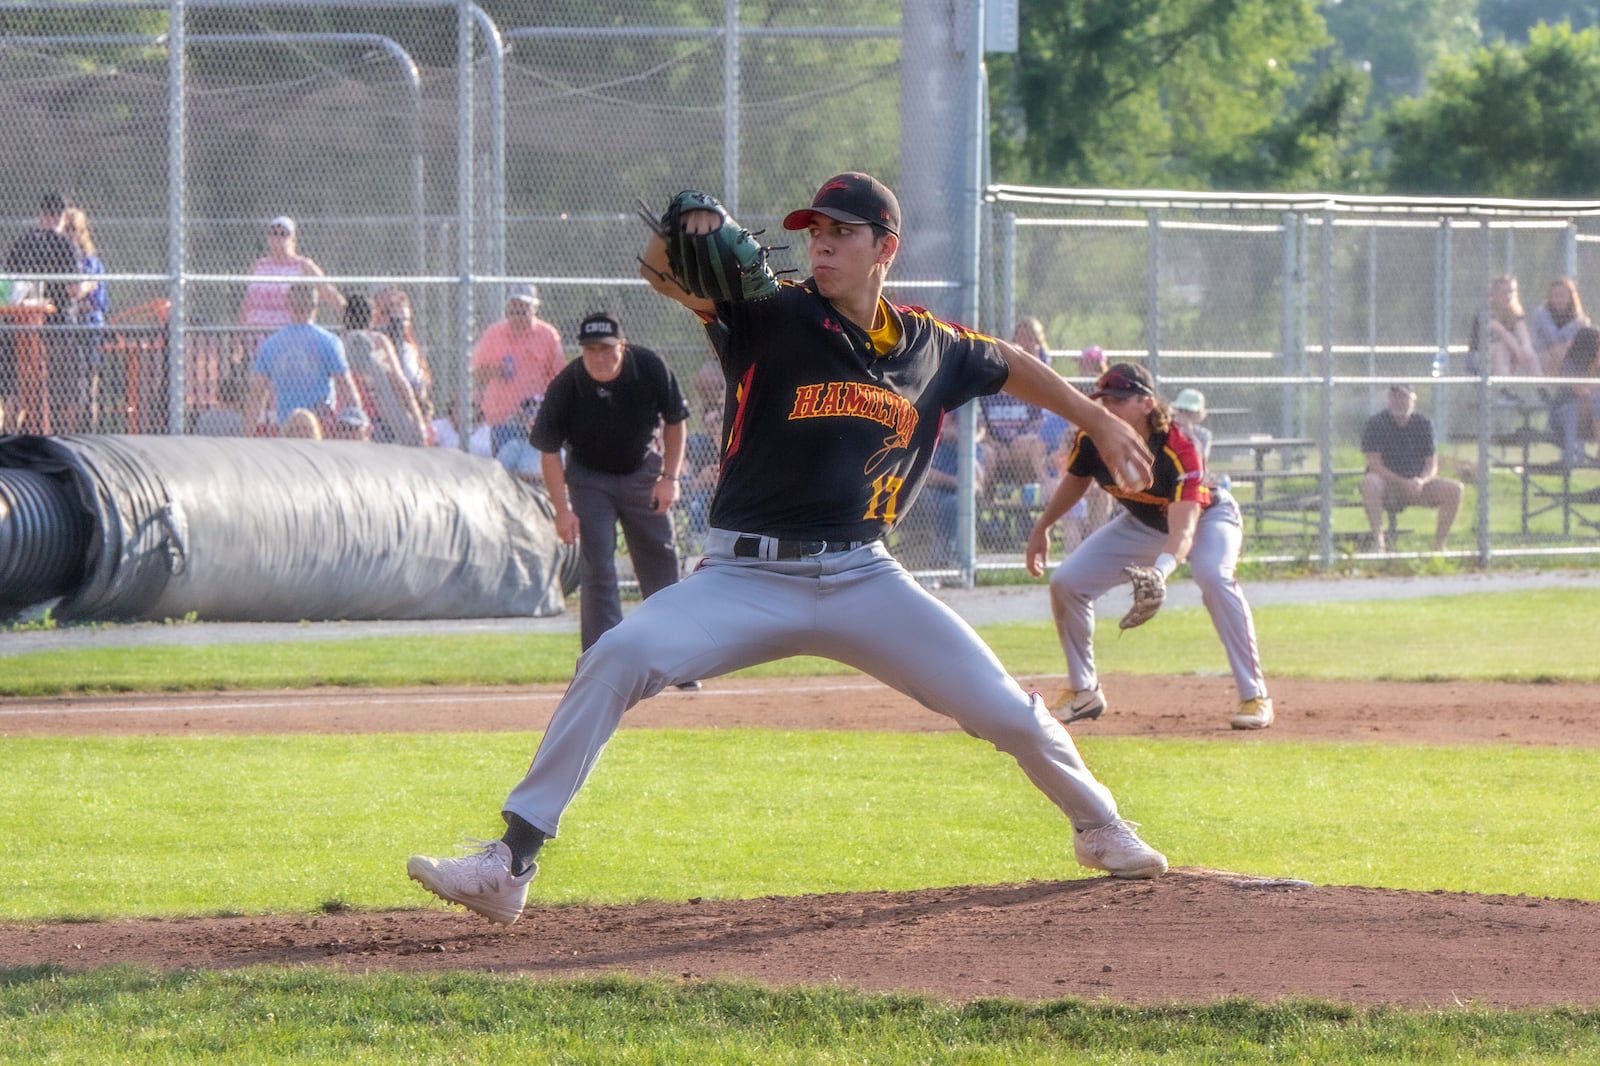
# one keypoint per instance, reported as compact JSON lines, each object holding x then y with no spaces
{"x":1512,"y":19}
{"x":1147,"y":92}
{"x":1506,"y":121}
{"x":1399,"y":41}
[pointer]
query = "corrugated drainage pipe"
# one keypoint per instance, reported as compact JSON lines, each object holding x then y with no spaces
{"x":44,"y":539}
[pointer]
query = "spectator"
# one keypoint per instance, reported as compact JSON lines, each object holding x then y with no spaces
{"x":702,"y":462}
{"x":41,"y":252}
{"x":266,"y":303}
{"x":1053,"y":428}
{"x":391,"y":316}
{"x":1188,"y":411}
{"x":603,"y":409}
{"x":226,"y":417}
{"x":442,"y":428}
{"x":352,"y":424}
{"x":301,"y":425}
{"x":518,"y":455}
{"x":1498,"y":339}
{"x":391,"y":405}
{"x":301,"y":365}
{"x":942,"y":489}
{"x":1403,"y":468}
{"x":708,"y":386}
{"x":514,"y":360}
{"x":1555,"y":322}
{"x":1017,"y":451}
{"x":1575,"y":412}
{"x":93,"y":301}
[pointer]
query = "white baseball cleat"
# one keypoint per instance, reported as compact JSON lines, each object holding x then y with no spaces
{"x":1253,"y":713}
{"x":1073,"y":706}
{"x":480,"y":882}
{"x":1117,"y":849}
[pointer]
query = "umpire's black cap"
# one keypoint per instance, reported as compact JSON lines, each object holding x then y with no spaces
{"x":852,"y":197}
{"x":1123,"y":380}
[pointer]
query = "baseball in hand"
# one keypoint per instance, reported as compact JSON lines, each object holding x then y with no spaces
{"x":1131,"y":474}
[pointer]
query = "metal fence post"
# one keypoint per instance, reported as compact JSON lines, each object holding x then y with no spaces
{"x":1325,"y":397}
{"x":176,"y":73}
{"x":1152,"y":293}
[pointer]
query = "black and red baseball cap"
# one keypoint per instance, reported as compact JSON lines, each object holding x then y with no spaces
{"x":852,"y":197}
{"x":1123,"y":380}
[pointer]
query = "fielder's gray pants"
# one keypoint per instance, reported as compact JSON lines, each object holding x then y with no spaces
{"x":1095,"y":566}
{"x":602,"y":502}
{"x":860,"y":607}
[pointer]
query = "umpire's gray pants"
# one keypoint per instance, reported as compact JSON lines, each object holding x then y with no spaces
{"x":602,"y":502}
{"x":1095,"y":566}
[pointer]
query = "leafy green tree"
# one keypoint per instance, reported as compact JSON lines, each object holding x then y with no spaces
{"x":1150,"y":92}
{"x":1512,"y":19}
{"x":1506,"y":121}
{"x":1399,"y":41}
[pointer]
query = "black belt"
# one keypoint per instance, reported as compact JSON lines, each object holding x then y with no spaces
{"x":748,"y":546}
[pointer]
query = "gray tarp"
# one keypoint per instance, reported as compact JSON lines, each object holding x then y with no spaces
{"x":235,"y":529}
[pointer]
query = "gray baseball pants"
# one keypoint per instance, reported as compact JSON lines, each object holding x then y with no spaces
{"x":859,"y":607}
{"x":602,"y":502}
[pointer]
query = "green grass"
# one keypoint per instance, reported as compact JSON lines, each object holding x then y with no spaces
{"x":98,"y":825}
{"x":309,"y":1016}
{"x":1493,"y":636}
{"x":746,"y":813}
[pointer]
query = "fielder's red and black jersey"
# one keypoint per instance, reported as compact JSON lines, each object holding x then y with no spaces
{"x":1179,"y":474}
{"x":824,"y":437}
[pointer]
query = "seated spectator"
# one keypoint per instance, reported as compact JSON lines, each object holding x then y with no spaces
{"x":518,"y":455}
{"x":1555,"y":322}
{"x":386,"y":395}
{"x":942,"y":490}
{"x":702,"y":464}
{"x":1052,"y":427}
{"x":1403,"y":468}
{"x":514,"y":360}
{"x":301,"y":365}
{"x":1188,"y":411}
{"x":226,"y":417}
{"x":1575,"y":412}
{"x":352,"y":424}
{"x":391,"y":316}
{"x":1498,"y":338}
{"x":1016,"y":449}
{"x":301,"y":425}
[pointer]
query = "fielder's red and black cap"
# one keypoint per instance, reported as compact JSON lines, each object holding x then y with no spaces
{"x":599,"y":328}
{"x":1123,"y":380}
{"x":852,"y":197}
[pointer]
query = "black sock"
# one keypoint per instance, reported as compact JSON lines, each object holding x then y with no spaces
{"x":524,"y":841}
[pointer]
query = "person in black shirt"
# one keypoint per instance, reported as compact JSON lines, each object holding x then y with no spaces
{"x":1403,"y":468}
{"x":604,"y":409}
{"x":39,"y":253}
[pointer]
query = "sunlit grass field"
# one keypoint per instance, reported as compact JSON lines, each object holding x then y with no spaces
{"x":202,"y":825}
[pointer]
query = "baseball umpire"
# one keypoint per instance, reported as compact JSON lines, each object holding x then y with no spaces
{"x":1176,"y":518}
{"x":834,"y":402}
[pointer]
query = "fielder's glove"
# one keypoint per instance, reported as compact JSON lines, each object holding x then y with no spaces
{"x":726,"y":264}
{"x":1149,"y":592}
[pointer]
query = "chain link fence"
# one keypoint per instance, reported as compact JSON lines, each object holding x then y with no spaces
{"x":1293,"y":316}
{"x":451,"y":151}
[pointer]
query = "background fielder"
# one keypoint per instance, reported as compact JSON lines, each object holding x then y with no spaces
{"x":1176,"y":518}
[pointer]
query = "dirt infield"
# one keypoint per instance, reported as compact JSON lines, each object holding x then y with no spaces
{"x":1194,"y":935}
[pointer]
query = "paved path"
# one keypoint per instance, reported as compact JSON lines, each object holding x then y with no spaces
{"x":982,"y":606}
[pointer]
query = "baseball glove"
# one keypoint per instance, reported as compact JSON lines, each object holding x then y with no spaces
{"x":726,"y":264}
{"x":1149,"y":592}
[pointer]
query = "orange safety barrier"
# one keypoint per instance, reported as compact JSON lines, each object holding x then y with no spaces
{"x":33,"y":372}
